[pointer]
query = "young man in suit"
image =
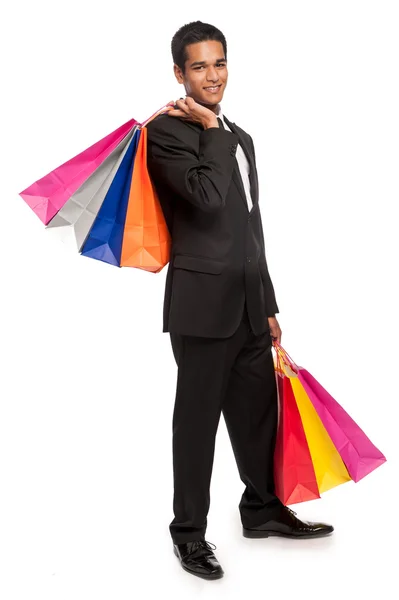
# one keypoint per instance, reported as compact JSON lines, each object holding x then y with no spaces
{"x":219,"y":306}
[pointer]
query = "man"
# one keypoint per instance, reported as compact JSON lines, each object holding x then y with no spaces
{"x":219,"y":305}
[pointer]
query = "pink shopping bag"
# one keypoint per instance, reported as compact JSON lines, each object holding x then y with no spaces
{"x":47,"y":195}
{"x":357,"y":451}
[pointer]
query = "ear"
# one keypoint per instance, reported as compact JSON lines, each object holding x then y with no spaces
{"x":178,"y":74}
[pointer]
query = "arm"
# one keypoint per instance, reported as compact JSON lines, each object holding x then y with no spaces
{"x":202,"y":179}
{"x":270,"y":297}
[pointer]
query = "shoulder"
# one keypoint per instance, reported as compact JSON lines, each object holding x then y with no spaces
{"x":166,"y":126}
{"x":172,"y":134}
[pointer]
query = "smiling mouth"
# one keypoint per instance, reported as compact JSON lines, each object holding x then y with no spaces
{"x":213,"y":88}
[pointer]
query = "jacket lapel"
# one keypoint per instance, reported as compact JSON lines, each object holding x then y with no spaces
{"x":253,"y":178}
{"x":236,"y":176}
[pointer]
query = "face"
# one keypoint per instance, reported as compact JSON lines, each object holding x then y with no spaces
{"x":205,"y":75}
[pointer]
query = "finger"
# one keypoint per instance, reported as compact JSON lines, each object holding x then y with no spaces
{"x":176,"y":112}
{"x":182,"y":105}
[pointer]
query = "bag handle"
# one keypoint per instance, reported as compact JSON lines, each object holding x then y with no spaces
{"x":283,"y":368}
{"x":279,"y":365}
{"x":158,"y":112}
{"x":285,"y":357}
{"x":280,"y":361}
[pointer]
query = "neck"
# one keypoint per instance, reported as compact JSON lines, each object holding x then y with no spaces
{"x":215,"y":108}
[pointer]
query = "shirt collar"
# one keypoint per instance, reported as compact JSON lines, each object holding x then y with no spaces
{"x":219,"y":113}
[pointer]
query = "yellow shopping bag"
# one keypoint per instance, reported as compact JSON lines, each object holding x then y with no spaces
{"x":328,"y":465}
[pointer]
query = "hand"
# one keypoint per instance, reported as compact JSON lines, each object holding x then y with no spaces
{"x":189,"y":110}
{"x":275,"y":330}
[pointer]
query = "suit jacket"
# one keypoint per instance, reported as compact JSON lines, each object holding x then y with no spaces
{"x":217,"y":258}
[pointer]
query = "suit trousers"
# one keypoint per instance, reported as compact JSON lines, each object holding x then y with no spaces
{"x":233,"y":375}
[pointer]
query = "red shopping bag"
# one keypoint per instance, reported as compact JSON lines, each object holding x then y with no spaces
{"x":294,"y":474}
{"x":355,"y":448}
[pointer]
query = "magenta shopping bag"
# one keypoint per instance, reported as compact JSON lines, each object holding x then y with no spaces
{"x":356,"y":449}
{"x":47,"y":195}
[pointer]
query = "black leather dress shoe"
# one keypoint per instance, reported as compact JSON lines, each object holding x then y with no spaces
{"x":197,"y":558}
{"x":287,"y":524}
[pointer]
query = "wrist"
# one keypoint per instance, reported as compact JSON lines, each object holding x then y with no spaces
{"x":212,"y":122}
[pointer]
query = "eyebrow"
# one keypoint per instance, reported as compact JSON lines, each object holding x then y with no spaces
{"x":203,"y":62}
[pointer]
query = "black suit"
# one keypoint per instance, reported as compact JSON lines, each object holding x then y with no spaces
{"x":218,"y":255}
{"x":218,"y":296}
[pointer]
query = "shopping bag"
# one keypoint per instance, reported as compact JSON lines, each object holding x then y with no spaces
{"x":294,"y":474}
{"x":328,"y":465}
{"x":329,"y":468}
{"x":359,"y":454}
{"x":75,"y":219}
{"x":146,"y":239}
{"x":104,"y":241}
{"x":47,"y":195}
{"x":89,"y":198}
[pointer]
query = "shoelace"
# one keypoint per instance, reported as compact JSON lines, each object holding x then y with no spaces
{"x":201,"y":544}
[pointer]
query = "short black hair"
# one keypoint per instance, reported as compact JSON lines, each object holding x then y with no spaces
{"x":194,"y":32}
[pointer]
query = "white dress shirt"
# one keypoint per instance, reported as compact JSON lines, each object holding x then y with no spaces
{"x":243,"y":165}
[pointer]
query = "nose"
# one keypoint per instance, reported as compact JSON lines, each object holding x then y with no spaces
{"x":212,"y":74}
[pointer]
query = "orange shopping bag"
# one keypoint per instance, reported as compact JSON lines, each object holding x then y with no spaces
{"x":146,"y":239}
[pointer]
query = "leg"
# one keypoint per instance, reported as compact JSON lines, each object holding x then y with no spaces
{"x":203,"y":368}
{"x":250,"y":412}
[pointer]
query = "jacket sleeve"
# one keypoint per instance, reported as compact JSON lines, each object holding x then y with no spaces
{"x":201,"y":175}
{"x":270,"y":296}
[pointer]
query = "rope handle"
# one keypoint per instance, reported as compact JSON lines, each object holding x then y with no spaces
{"x":278,"y":347}
{"x":286,"y":362}
{"x":279,"y":365}
{"x":158,"y":112}
{"x":280,"y":362}
{"x":284,"y":356}
{"x":282,"y":368}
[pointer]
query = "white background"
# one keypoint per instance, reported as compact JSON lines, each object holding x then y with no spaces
{"x":88,"y":378}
